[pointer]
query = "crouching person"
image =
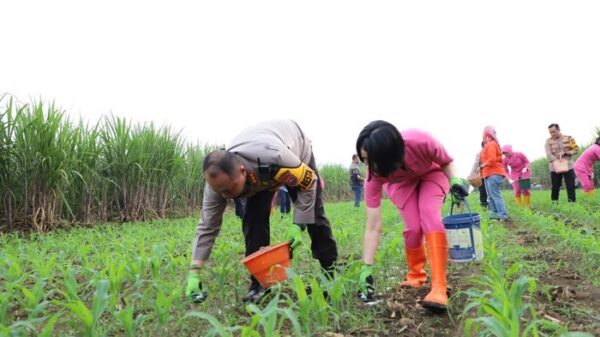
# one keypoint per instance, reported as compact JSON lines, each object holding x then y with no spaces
{"x":416,"y":172}
{"x":256,"y":163}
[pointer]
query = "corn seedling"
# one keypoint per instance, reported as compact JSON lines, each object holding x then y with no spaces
{"x":268,"y":322}
{"x":217,"y":329}
{"x":163,"y":302}
{"x":128,"y":322}
{"x":4,"y":304}
{"x":500,"y":305}
{"x":48,"y":328}
{"x":89,"y":318}
{"x":33,"y":300}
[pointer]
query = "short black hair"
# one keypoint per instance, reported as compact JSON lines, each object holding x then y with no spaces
{"x":222,"y":161}
{"x":354,"y":156}
{"x":384,"y":145}
{"x":554,"y":125}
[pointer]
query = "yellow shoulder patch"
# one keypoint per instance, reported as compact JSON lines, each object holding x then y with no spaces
{"x":302,"y":176}
{"x":573,"y":145}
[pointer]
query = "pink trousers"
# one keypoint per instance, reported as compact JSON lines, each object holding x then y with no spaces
{"x":517,"y":189}
{"x":422,"y":213}
{"x":586,"y":181}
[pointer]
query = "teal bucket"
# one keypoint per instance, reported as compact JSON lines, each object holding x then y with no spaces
{"x":465,"y":242}
{"x":525,"y":184}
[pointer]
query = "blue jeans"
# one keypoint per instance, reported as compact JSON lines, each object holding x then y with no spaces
{"x":496,"y":204}
{"x":357,"y":189}
{"x":284,"y":202}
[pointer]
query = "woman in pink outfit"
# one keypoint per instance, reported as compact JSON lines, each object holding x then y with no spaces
{"x":584,"y":167}
{"x":414,"y":169}
{"x":517,"y":167}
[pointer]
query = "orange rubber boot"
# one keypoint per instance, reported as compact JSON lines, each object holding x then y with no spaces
{"x":527,"y":200}
{"x":415,"y":258}
{"x":518,"y":200}
{"x":437,"y":247}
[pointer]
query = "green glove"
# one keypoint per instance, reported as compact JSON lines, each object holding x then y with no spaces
{"x":194,"y":288}
{"x":294,"y":234}
{"x":366,"y":283}
{"x":458,"y":190}
{"x":455,"y":181}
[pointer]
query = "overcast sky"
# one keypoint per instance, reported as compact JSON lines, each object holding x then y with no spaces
{"x":211,"y":68}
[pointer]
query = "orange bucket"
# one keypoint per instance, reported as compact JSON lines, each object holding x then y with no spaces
{"x":268,"y":265}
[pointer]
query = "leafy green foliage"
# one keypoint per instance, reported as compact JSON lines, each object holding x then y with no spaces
{"x":53,"y":171}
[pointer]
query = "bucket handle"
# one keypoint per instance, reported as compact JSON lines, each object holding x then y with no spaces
{"x":457,"y":203}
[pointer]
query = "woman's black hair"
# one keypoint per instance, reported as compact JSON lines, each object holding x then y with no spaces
{"x":598,"y":141}
{"x":384,"y":146}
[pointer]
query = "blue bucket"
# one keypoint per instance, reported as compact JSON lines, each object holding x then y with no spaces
{"x":465,"y":242}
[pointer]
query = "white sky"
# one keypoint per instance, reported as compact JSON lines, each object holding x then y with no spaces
{"x":212,"y":68}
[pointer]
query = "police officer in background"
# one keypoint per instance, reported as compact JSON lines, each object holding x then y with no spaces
{"x":256,"y":163}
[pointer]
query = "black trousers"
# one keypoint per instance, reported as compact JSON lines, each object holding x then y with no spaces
{"x":482,"y":196}
{"x":240,"y":207}
{"x":556,"y":179}
{"x":256,"y":226}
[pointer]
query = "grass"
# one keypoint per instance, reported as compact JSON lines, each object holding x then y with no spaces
{"x":116,"y":279}
{"x":128,"y":280}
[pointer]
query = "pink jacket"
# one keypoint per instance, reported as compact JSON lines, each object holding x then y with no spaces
{"x":585,"y":162}
{"x":517,"y":161}
{"x":423,"y":158}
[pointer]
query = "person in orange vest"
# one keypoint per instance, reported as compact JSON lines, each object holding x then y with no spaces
{"x":492,"y":173}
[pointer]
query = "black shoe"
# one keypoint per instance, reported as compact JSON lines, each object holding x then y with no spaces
{"x":326,"y":277}
{"x":368,"y":296}
{"x":199,"y":297}
{"x":255,"y":294}
{"x":308,"y":290}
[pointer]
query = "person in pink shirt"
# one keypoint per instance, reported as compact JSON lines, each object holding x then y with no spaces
{"x":414,"y":169}
{"x":584,"y":167}
{"x":517,"y":167}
